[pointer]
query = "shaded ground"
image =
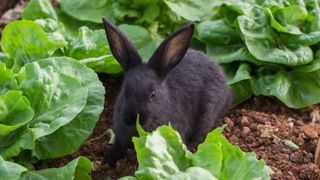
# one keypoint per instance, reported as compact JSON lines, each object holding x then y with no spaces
{"x":260,"y":124}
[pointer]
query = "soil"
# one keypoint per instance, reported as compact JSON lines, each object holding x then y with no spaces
{"x":263,"y":125}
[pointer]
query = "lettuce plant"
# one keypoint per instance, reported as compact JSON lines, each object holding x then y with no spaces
{"x":50,"y":103}
{"x":48,"y":108}
{"x":161,"y":154}
{"x":267,"y":48}
{"x":78,"y":168}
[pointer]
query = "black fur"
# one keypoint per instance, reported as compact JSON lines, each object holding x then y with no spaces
{"x":183,"y":87}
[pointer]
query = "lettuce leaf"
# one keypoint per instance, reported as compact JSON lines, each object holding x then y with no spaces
{"x":297,"y":88}
{"x":67,"y":99}
{"x":25,"y":41}
{"x":161,"y":154}
{"x":78,"y":168}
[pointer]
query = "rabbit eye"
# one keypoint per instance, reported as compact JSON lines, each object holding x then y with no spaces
{"x":152,"y":95}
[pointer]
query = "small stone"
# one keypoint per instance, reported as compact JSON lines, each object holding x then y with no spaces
{"x":299,"y":122}
{"x":229,"y":122}
{"x":267,"y":142}
{"x":276,"y":139}
{"x":245,"y":131}
{"x":254,"y":126}
{"x":310,"y":131}
{"x":237,"y":132}
{"x":249,"y":139}
{"x":285,"y":134}
{"x":255,"y":144}
{"x":244,"y":121}
{"x":233,"y":139}
{"x":296,"y":157}
{"x":291,"y":124}
{"x":299,"y":141}
{"x":267,"y":130}
{"x":290,"y":119}
{"x":315,"y":115}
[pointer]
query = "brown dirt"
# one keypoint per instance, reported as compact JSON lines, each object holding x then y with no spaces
{"x":263,"y":124}
{"x":260,"y":124}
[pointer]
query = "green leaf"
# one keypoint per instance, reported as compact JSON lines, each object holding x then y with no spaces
{"x":141,"y":40}
{"x":276,"y":25}
{"x":230,"y":10}
{"x":291,"y":17}
{"x":39,"y":9}
{"x":235,"y":163}
{"x":72,"y":25}
{"x":297,"y":88}
{"x":195,"y":173}
{"x":84,"y":10}
{"x":313,"y":20}
{"x":55,"y":97}
{"x":67,"y":98}
{"x":231,"y":53}
{"x":76,"y":169}
{"x":10,"y":170}
{"x":7,"y":80}
{"x":190,"y":9}
{"x":5,"y":59}
{"x":26,"y":42}
{"x":237,"y":73}
{"x":103,"y":64}
{"x":239,"y":81}
{"x":127,"y":178}
{"x":54,"y":31}
{"x":150,"y":13}
{"x":218,"y":33}
{"x":88,"y":44}
{"x":50,"y":25}
{"x":287,"y":19}
{"x":92,"y":49}
{"x":73,"y":134}
{"x":290,"y":144}
{"x":271,"y":51}
{"x":140,"y":130}
{"x":205,"y":158}
{"x":12,"y":144}
{"x":265,"y":45}
{"x":255,"y":24}
{"x":241,"y":91}
{"x":303,"y":39}
{"x":15,"y":111}
{"x":160,"y":154}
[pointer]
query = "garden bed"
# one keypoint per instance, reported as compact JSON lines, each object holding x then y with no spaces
{"x":259,"y":124}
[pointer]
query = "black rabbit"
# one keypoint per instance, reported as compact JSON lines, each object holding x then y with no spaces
{"x":177,"y":85}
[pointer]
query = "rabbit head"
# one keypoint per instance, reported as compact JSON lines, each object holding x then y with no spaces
{"x":142,"y":90}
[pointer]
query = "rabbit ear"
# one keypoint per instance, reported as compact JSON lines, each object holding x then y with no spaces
{"x":121,"y":47}
{"x":171,"y":51}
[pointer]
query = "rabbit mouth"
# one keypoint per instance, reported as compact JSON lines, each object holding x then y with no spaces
{"x":142,"y":118}
{"x":132,"y":118}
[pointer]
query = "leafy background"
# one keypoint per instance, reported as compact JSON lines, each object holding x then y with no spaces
{"x":266,"y":48}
